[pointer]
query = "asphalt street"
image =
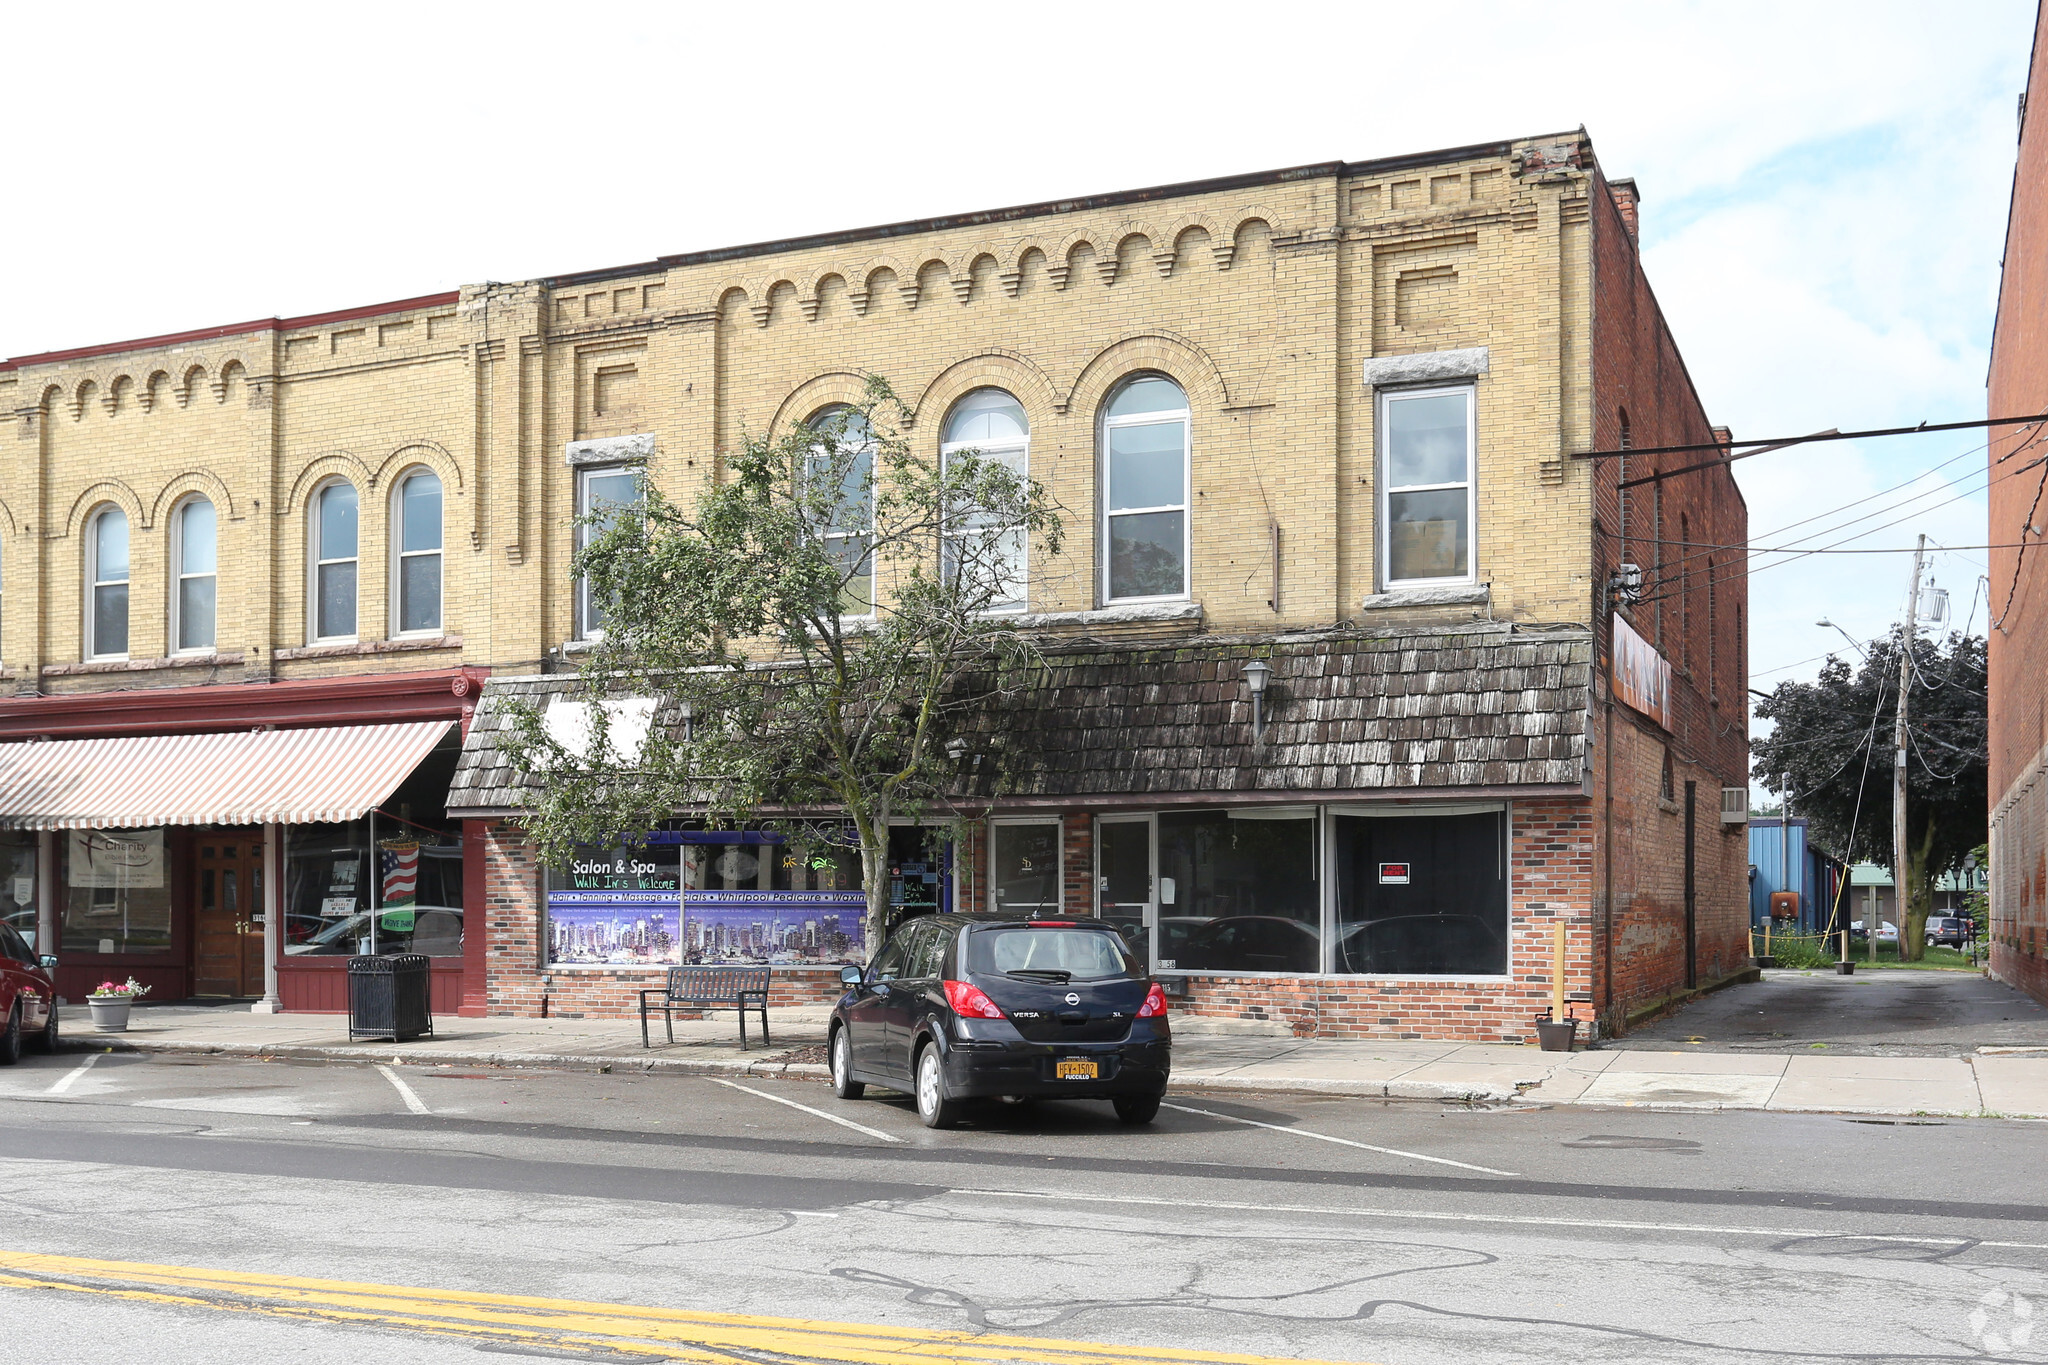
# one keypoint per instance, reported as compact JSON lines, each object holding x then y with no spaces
{"x":181,"y":1208}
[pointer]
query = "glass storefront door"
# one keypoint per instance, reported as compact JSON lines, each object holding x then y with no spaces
{"x":1123,"y":854}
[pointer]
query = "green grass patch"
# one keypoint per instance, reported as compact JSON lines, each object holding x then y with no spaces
{"x":1810,"y":952}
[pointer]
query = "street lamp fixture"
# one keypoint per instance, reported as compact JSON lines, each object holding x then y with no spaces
{"x":1845,"y":635}
{"x":1256,"y":675}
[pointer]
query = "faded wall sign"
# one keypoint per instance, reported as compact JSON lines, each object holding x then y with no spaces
{"x":1641,"y":676}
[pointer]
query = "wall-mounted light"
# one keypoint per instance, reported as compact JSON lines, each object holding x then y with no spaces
{"x":956,"y":748}
{"x":1256,"y":675}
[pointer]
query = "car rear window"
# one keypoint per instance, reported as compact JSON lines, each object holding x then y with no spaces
{"x":1082,"y":954}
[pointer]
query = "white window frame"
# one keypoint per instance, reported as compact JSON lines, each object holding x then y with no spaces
{"x":178,"y":575}
{"x":93,"y":582}
{"x":1002,"y":450}
{"x":314,"y":564}
{"x":399,"y":554}
{"x":1184,"y":416}
{"x":1059,"y":842}
{"x":584,"y":474}
{"x":1384,"y":398}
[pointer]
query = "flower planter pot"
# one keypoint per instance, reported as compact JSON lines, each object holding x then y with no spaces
{"x":1556,"y":1036}
{"x":110,"y":1012}
{"x":1845,"y":969}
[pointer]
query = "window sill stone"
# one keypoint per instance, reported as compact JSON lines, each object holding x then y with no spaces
{"x":1475,"y":595}
{"x":362,"y":648}
{"x":142,"y":665}
{"x":1145,"y":614}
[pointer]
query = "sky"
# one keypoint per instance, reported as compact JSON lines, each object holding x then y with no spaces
{"x":1824,"y":184}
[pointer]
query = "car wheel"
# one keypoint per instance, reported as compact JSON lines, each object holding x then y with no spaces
{"x":46,"y":1041}
{"x":932,"y":1105}
{"x":843,"y":1083}
{"x":1135,"y":1110}
{"x":10,"y":1041}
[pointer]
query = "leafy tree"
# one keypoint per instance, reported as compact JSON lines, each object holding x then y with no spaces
{"x":1832,"y":750}
{"x":800,"y":646}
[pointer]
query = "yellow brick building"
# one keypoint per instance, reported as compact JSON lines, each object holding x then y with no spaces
{"x":1290,"y":309}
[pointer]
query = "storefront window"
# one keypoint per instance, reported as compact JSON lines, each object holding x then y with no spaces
{"x":1024,"y":868}
{"x":1422,"y":894}
{"x":18,"y":891}
{"x":372,"y":887}
{"x":701,"y":896}
{"x":1237,"y":892}
{"x":116,"y":896}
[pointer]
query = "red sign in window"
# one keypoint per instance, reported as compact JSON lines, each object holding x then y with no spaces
{"x":1393,"y":874}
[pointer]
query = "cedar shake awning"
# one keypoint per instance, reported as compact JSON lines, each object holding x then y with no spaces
{"x":1439,"y":713}
{"x":245,"y":777}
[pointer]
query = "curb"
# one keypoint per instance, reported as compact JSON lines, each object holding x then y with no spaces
{"x":407,"y":1054}
{"x":441,"y":1056}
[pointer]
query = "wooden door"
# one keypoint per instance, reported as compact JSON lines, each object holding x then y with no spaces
{"x":227,"y":896}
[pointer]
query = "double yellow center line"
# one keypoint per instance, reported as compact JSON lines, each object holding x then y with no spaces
{"x":564,"y":1324}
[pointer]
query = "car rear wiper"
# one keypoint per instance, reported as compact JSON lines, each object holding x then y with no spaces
{"x":1042,"y":974}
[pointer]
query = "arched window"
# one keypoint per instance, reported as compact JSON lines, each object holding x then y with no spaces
{"x":850,"y":514}
{"x":194,"y":559}
{"x":991,"y":424}
{"x":416,"y":554}
{"x":334,"y":562}
{"x":1145,"y":492}
{"x":106,"y":621}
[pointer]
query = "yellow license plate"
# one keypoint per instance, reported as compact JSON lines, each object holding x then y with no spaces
{"x":1075,"y":1069}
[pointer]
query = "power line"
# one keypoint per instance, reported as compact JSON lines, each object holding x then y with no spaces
{"x":1780,"y":442}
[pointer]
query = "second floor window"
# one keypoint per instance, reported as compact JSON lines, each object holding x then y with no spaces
{"x":193,"y":576}
{"x":416,"y":554}
{"x":334,"y":563}
{"x":850,"y":519}
{"x":106,"y":619}
{"x":1145,"y":492}
{"x":990,"y":423}
{"x":603,"y":493}
{"x":1426,"y":501}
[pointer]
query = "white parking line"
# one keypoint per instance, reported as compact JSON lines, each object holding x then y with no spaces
{"x":412,"y":1101}
{"x":1523,"y":1220}
{"x":1346,"y":1142}
{"x":65,"y":1081}
{"x":819,"y":1113}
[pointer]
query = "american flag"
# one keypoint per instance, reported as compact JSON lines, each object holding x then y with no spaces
{"x":401,"y":867}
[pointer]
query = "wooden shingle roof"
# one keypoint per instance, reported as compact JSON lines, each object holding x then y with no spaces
{"x":1436,"y":711}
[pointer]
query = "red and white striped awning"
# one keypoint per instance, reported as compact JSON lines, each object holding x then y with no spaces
{"x":247,"y":777}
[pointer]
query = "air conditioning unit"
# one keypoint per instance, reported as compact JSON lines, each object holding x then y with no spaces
{"x":1734,"y":805}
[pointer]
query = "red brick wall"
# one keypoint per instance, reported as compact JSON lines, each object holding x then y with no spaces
{"x":1686,"y":532}
{"x":2018,"y":640}
{"x":1550,"y":879}
{"x":1077,"y":863}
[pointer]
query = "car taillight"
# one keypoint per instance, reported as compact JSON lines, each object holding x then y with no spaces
{"x":970,"y":1001}
{"x":1155,"y":1003}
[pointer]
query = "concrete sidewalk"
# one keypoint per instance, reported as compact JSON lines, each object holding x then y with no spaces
{"x":1994,"y":1083}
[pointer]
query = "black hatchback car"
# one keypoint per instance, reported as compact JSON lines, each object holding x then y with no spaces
{"x":971,"y":1006}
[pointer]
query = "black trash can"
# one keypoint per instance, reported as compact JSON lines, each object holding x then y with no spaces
{"x":388,"y":997}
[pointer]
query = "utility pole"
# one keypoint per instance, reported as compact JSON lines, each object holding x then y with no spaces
{"x":1907,"y":633}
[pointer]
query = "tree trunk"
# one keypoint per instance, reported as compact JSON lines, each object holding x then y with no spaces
{"x":874,"y":863}
{"x":1916,"y":900}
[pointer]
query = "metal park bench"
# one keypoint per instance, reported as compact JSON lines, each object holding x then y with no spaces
{"x":699,"y":988}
